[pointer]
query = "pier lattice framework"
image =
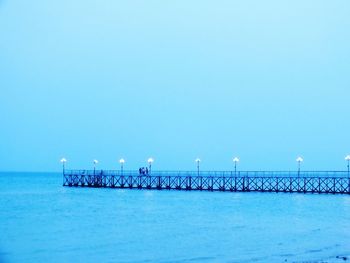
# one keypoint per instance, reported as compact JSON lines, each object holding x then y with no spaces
{"x":332,"y":182}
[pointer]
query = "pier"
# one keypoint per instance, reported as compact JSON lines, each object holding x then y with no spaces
{"x":328,"y":182}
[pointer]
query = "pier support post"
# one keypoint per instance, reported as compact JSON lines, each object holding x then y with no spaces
{"x":159,"y":184}
{"x":189,"y":187}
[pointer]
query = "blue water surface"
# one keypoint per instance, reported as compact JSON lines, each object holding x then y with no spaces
{"x":41,"y":221}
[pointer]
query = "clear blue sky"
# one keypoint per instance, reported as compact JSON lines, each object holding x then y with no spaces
{"x":263,"y":80}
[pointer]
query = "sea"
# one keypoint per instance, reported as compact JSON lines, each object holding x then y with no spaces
{"x":42,"y":221}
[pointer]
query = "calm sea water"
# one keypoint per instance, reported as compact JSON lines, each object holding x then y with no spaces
{"x":41,"y":221}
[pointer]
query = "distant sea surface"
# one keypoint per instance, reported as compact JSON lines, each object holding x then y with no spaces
{"x":41,"y":221}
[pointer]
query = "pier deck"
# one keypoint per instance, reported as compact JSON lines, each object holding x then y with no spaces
{"x":303,"y":182}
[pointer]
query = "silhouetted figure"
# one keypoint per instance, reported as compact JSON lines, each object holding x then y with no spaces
{"x":140,"y":170}
{"x":146,"y":171}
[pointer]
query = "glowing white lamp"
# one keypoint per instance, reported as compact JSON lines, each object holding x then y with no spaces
{"x":121,"y":161}
{"x":347,"y":158}
{"x":235,"y":160}
{"x":95,"y":163}
{"x":299,"y":160}
{"x":198,"y":162}
{"x":150,"y":161}
{"x":63,"y":161}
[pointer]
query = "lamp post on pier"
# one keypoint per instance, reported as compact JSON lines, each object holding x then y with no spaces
{"x":198,"y":161}
{"x":235,"y":160}
{"x":299,"y":160}
{"x":121,"y":161}
{"x":150,"y":161}
{"x":63,"y":161}
{"x":95,"y":163}
{"x":347,"y":158}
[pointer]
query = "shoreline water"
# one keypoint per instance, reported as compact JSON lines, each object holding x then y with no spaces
{"x":43,"y":221}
